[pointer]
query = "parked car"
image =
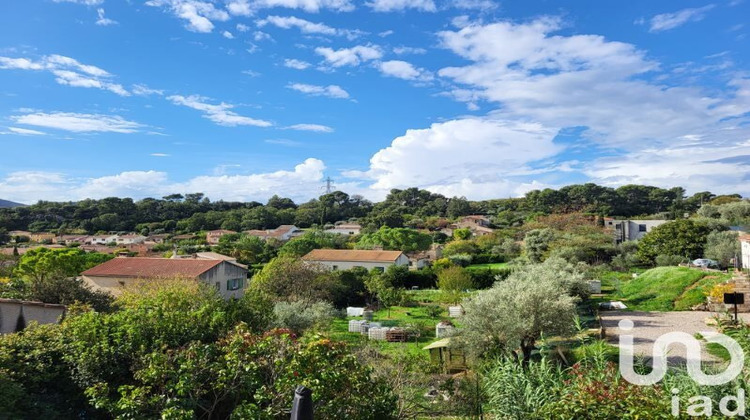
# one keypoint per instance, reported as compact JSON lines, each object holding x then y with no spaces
{"x":706,"y":263}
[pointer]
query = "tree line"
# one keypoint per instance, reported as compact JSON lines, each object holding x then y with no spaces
{"x":412,"y":207}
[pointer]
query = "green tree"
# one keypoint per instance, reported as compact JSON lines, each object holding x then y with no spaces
{"x":453,"y":281}
{"x":537,"y":242}
{"x":290,"y":279}
{"x":513,"y":314}
{"x":39,"y":264}
{"x":722,"y":247}
{"x":685,"y":238}
{"x":399,"y":239}
{"x":383,"y":289}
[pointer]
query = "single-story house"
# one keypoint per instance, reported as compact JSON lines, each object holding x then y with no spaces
{"x":213,"y":236}
{"x":282,"y":233}
{"x":745,"y":250}
{"x":346,"y":229}
{"x":345,"y":259}
{"x":103,"y":239}
{"x":113,"y":276}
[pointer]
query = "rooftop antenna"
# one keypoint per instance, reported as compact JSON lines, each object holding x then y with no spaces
{"x":329,"y":187}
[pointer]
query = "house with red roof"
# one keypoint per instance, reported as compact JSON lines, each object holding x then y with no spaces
{"x":228,"y":277}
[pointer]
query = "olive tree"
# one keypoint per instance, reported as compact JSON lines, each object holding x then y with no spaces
{"x":722,"y":247}
{"x":513,"y":314}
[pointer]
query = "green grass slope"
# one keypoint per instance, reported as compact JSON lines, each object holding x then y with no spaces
{"x":668,"y":289}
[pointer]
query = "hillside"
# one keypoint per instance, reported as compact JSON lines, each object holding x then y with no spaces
{"x":668,"y":288}
{"x":9,"y":204}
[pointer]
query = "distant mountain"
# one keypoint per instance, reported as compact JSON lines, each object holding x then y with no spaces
{"x":9,"y":204}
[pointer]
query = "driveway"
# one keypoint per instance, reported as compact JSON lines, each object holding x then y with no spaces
{"x":648,"y":326}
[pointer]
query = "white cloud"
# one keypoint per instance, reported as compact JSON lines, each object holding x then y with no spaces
{"x":317,"y":128}
{"x":300,"y":183}
{"x":143,"y":90}
{"x":78,"y":123}
{"x":67,"y":71}
{"x":350,"y":56}
{"x":261,"y":36}
{"x":251,"y":73}
{"x":386,"y":33}
{"x":331,"y":91}
{"x":23,"y":132}
{"x":666,"y":21}
{"x":227,"y":35}
{"x":84,"y":2}
{"x":283,"y":142}
{"x":482,"y":5}
{"x":220,"y":114}
{"x":242,"y":27}
{"x":296,"y":64}
{"x":250,"y":7}
{"x":404,"y":70}
{"x":198,"y":14}
{"x":103,"y":20}
{"x":472,"y":157}
{"x":160,"y":154}
{"x":307,"y":27}
{"x":400,"y":5}
{"x":409,"y":50}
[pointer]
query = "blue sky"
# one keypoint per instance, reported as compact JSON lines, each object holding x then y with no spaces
{"x":243,"y":99}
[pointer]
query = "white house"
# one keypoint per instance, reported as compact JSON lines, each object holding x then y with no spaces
{"x":103,"y":239}
{"x":282,"y":233}
{"x":745,"y":250}
{"x":346,"y":229}
{"x":345,"y":259}
{"x":631,"y":230}
{"x":130,"y":239}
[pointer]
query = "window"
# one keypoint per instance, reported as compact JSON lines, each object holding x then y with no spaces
{"x":641,"y":228}
{"x":218,"y":286}
{"x":234,"y":284}
{"x":335,"y":267}
{"x":381,"y":269}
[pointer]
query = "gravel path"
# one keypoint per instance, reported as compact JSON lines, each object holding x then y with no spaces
{"x":648,"y":326}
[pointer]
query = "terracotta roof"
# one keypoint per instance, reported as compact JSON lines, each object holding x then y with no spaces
{"x":351,"y":255}
{"x":152,"y":267}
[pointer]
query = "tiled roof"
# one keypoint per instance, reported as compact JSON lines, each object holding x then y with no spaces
{"x":352,"y":255}
{"x":152,"y":267}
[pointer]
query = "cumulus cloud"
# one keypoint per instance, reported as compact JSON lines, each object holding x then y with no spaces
{"x":67,"y":71}
{"x":404,"y":70}
{"x":297,"y":183}
{"x":78,"y":123}
{"x":475,"y":157}
{"x":317,"y":128}
{"x":220,"y":113}
{"x":666,"y":21}
{"x":409,"y":50}
{"x":400,"y":5}
{"x":227,"y":35}
{"x":331,"y":91}
{"x":293,"y":63}
{"x":349,"y":56}
{"x":199,"y":15}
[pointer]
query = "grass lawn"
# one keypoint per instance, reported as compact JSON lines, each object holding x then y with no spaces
{"x":399,"y":317}
{"x":492,"y":266}
{"x":667,"y":288}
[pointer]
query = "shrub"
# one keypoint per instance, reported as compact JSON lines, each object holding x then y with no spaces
{"x":669,"y":260}
{"x":302,"y":316}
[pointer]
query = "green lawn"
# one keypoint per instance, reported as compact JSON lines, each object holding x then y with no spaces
{"x":493,"y":266}
{"x":667,"y":288}
{"x":399,"y":317}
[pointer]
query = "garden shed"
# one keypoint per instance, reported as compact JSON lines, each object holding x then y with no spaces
{"x":451,"y":360}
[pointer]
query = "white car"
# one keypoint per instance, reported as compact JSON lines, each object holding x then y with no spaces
{"x":706,"y":263}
